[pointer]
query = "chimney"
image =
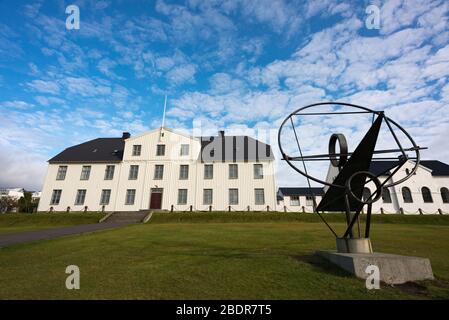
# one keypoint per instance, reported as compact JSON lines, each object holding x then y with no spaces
{"x":126,"y":135}
{"x":221,"y":133}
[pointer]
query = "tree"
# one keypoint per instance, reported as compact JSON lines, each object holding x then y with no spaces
{"x":26,"y":203}
{"x":7,"y":203}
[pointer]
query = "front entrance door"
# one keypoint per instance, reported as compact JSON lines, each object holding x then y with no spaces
{"x":156,"y":198}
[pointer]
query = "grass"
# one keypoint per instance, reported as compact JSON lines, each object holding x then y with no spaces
{"x":21,"y":222}
{"x":219,"y":217}
{"x":173,"y":258}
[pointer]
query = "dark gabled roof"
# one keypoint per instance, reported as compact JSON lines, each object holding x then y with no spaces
{"x":234,"y":148}
{"x":97,"y":150}
{"x":301,"y":191}
{"x":438,"y":168}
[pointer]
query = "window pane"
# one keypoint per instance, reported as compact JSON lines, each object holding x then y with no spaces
{"x":426,"y":195}
{"x":62,"y":170}
{"x":366,"y":194}
{"x":233,"y":196}
{"x":160,"y":150}
{"x":133,"y":172}
{"x":294,"y":200}
{"x":80,"y":197}
{"x":137,"y":149}
{"x":233,"y":171}
{"x":260,"y":196}
{"x":105,"y":196}
{"x":258,"y":171}
{"x":130,"y":196}
{"x":56,"y":197}
{"x":407,"y":195}
{"x":85,"y":173}
{"x":182,"y":196}
{"x":184,"y":149}
{"x":386,"y":196}
{"x":158,"y":172}
{"x":208,"y":171}
{"x":207,"y":196}
{"x":109,"y":173}
{"x":183,"y":172}
{"x":309,"y":201}
{"x":445,"y":195}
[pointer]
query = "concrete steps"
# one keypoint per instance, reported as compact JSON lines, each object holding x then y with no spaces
{"x":127,"y":216}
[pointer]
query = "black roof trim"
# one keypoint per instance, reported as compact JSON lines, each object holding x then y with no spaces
{"x":438,"y":168}
{"x":300,"y":191}
{"x":97,"y":150}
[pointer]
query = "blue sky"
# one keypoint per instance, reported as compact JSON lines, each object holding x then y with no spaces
{"x":236,"y":65}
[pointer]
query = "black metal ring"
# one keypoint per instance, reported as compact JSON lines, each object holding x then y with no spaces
{"x":335,"y":161}
{"x":378,"y":192}
{"x":287,"y":158}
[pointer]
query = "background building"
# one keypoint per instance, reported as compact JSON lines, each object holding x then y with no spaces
{"x":426,"y":192}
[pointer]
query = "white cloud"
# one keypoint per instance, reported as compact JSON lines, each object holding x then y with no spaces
{"x":16,"y":104}
{"x":44,"y":86}
{"x":86,"y":87}
{"x":181,"y":74}
{"x":21,"y":168}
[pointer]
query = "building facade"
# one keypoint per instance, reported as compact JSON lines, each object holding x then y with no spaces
{"x":426,"y":192}
{"x":162,"y":170}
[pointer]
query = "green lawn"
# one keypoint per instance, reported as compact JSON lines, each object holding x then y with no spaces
{"x":173,"y":258}
{"x":20,"y":222}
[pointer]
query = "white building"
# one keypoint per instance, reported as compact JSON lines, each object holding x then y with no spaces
{"x":426,"y":192}
{"x":162,"y":169}
{"x":15,"y":193}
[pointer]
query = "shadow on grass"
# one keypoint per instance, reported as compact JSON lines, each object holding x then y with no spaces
{"x":322,"y":265}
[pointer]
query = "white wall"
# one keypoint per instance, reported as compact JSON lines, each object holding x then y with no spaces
{"x":170,"y":182}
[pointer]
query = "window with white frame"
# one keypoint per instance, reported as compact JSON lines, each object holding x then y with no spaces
{"x":294,"y":201}
{"x":259,"y":196}
{"x":109,"y":172}
{"x":309,"y":201}
{"x":160,"y":150}
{"x":130,"y":196}
{"x":159,"y":172}
{"x":184,"y":172}
{"x":105,"y":196}
{"x":207,"y":196}
{"x":184,"y":150}
{"x":55,"y":197}
{"x":233,"y":171}
{"x":182,"y":196}
{"x":85,"y":173}
{"x":62,"y":171}
{"x":137,"y":149}
{"x":233,"y":196}
{"x":133,"y":172}
{"x":80,"y":197}
{"x":208,"y":171}
{"x":258,"y":171}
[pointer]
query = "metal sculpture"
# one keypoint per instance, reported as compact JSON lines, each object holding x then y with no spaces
{"x":345,"y":192}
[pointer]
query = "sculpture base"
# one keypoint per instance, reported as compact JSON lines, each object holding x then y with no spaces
{"x":393,"y":269}
{"x":354,"y":245}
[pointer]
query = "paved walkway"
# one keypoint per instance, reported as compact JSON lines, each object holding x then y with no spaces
{"x":28,"y":236}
